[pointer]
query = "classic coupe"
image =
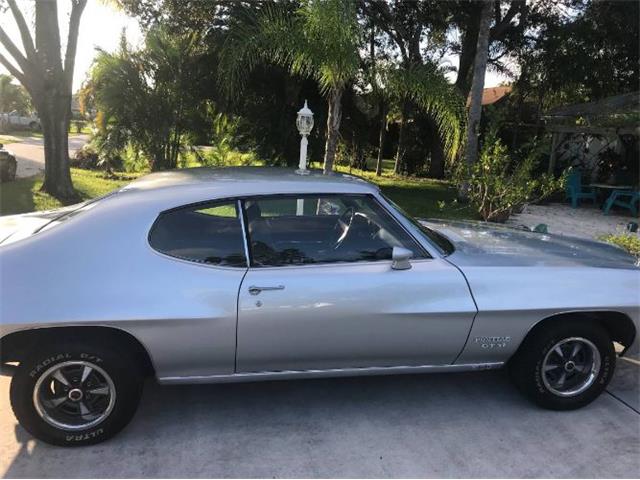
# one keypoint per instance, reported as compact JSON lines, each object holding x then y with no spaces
{"x":245,"y":274}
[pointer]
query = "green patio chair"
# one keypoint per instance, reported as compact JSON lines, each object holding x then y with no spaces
{"x":576,"y":192}
{"x":623,"y":198}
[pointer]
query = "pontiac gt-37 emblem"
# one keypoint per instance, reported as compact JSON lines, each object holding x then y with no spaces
{"x":493,"y":342}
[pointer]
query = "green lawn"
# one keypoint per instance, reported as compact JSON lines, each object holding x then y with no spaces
{"x":24,"y":195}
{"x":420,"y":197}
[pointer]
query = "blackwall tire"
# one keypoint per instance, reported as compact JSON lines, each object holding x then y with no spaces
{"x":74,"y":395}
{"x":545,"y":371}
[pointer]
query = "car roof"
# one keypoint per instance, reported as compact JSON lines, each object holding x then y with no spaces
{"x":238,"y":181}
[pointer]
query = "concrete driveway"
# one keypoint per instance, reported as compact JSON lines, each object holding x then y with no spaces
{"x":456,"y":425}
{"x":30,"y":153}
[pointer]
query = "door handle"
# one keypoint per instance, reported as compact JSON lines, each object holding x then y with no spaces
{"x":253,"y":290}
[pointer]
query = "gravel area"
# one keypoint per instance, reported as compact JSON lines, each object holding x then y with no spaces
{"x":585,"y":221}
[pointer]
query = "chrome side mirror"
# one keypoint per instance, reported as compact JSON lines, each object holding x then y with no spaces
{"x":401,"y":257}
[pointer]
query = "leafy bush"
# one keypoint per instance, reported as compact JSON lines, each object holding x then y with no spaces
{"x":628,"y":241}
{"x":86,"y":158}
{"x":133,"y":159}
{"x":223,"y":151}
{"x":498,"y":185}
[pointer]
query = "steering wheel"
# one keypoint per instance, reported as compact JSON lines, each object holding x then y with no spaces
{"x":342,"y":226}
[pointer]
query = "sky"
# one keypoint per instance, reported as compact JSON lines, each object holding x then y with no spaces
{"x":101,"y":26}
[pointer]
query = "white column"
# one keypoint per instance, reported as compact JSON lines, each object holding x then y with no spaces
{"x":303,"y":153}
{"x":302,"y":166}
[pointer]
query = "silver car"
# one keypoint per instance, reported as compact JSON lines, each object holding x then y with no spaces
{"x":237,"y":275}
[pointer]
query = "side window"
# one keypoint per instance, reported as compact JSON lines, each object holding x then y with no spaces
{"x":298,"y":230}
{"x":209,"y":233}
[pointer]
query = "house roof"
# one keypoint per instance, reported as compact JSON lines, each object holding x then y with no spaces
{"x":492,"y":95}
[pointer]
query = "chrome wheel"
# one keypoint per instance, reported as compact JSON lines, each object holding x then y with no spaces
{"x":571,"y":366}
{"x":74,"y":395}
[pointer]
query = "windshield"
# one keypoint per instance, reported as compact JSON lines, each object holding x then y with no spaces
{"x":441,"y":242}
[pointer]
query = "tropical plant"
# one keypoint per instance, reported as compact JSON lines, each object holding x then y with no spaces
{"x":498,"y":185}
{"x":318,"y":40}
{"x":144,"y":97}
{"x":428,"y":89}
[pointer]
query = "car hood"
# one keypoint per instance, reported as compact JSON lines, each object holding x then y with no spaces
{"x":487,"y":244}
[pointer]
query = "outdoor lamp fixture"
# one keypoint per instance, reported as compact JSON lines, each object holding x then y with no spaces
{"x":304,"y":122}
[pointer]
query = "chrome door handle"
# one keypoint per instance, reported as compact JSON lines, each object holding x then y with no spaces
{"x":253,"y":290}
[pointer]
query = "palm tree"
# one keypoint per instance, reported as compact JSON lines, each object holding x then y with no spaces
{"x":426,"y":87}
{"x":477,"y":86}
{"x":318,"y":40}
{"x":144,"y":96}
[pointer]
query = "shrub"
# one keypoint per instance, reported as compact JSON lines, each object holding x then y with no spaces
{"x":628,"y":241}
{"x":498,"y":186}
{"x":86,"y":158}
{"x":133,"y":160}
{"x":90,"y":157}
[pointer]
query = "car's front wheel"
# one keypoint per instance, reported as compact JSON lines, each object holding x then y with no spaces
{"x":564,"y":366}
{"x":75,"y":394}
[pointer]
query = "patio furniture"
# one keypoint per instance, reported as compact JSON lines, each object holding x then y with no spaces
{"x":623,"y":198}
{"x":575,"y":191}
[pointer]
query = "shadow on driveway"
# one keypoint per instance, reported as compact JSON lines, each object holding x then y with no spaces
{"x":453,"y":425}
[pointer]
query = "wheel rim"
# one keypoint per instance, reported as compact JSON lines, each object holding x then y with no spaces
{"x":571,"y":366}
{"x":74,"y":395}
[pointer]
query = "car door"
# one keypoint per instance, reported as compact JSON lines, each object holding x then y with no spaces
{"x":316,"y":297}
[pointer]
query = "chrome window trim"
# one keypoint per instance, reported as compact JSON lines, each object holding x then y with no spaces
{"x":197,"y":264}
{"x":340,"y":264}
{"x":406,"y":226}
{"x":393,"y":216}
{"x":245,"y":235}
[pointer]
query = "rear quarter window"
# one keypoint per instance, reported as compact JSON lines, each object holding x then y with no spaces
{"x":209,"y":234}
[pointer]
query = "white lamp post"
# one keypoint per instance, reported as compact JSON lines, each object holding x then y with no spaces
{"x":304,"y":122}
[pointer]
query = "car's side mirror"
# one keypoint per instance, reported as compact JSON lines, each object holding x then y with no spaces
{"x":401,"y":257}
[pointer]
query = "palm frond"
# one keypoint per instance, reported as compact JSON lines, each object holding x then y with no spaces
{"x":318,"y":40}
{"x":428,"y":88}
{"x":267,"y":35}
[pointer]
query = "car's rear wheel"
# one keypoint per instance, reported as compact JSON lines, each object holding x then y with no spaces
{"x":75,"y":395}
{"x":564,"y":366}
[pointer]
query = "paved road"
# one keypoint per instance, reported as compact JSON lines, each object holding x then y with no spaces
{"x":469,"y":425}
{"x":30,"y":153}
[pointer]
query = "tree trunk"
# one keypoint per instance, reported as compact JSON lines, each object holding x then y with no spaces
{"x":397,"y":168}
{"x":468,"y":50}
{"x":381,"y":137}
{"x":436,"y":167}
{"x":333,"y":128}
{"x":54,"y":117}
{"x":477,"y":86}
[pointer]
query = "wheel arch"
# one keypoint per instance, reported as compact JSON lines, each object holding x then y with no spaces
{"x":620,"y":327}
{"x":15,"y":345}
